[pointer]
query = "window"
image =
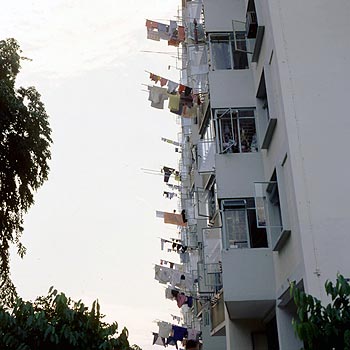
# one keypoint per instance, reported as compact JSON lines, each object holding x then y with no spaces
{"x":207,"y":202}
{"x":236,"y":130}
{"x":261,"y":95}
{"x":229,"y":51}
{"x":266,"y":123}
{"x":269,"y":211}
{"x":240,"y":228}
{"x":206,"y":149}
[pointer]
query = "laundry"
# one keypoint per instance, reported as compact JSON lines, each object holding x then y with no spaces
{"x":157,"y":96}
{"x":151,"y":24}
{"x":171,"y":341}
{"x":171,"y":141}
{"x":192,"y":334}
{"x":158,"y":340}
{"x":165,"y":329}
{"x":181,"y":33}
{"x":162,"y":274}
{"x":174,"y":102}
{"x":177,"y":318}
{"x":174,"y":219}
{"x":174,"y":187}
{"x":163,"y":82}
{"x":154,"y":77}
{"x":167,"y":173}
{"x":163,"y":30}
{"x":172,"y":86}
{"x":153,"y":35}
{"x":182,"y":299}
{"x":179,"y":333}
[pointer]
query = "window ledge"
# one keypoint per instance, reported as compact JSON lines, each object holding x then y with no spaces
{"x":282,"y":239}
{"x":258,"y":43}
{"x":268,"y":133}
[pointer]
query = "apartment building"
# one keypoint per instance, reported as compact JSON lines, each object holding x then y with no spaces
{"x":265,"y":174}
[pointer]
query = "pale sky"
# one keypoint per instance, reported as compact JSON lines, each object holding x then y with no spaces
{"x":92,"y":232}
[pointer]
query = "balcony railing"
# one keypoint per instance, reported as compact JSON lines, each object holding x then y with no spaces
{"x":217,"y":315}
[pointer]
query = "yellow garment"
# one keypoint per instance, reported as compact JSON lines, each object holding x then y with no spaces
{"x":174,"y":102}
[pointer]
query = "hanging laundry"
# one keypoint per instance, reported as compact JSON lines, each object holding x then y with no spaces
{"x":192,"y":334}
{"x":177,"y":318}
{"x":168,"y":293}
{"x":179,"y":332}
{"x":154,"y":77}
{"x":171,"y":341}
{"x":162,"y":274}
{"x":158,"y":340}
{"x":172,"y":86}
{"x":174,"y":102}
{"x":163,"y":81}
{"x":174,"y":219}
{"x":174,"y":187}
{"x":167,"y":173}
{"x":181,"y":88}
{"x":195,"y":33}
{"x":159,"y":214}
{"x":171,"y":141}
{"x":174,"y":42}
{"x":153,"y":35}
{"x":165,"y":329}
{"x":173,"y":29}
{"x":193,"y":11}
{"x":163,"y":30}
{"x":181,"y":33}
{"x":151,"y":24}
{"x":169,"y":195}
{"x":157,"y":96}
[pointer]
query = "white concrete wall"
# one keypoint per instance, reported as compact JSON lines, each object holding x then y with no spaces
{"x":313,"y":59}
{"x":236,"y":173}
{"x":248,"y":274}
{"x":220,"y":13}
{"x":231,"y":88}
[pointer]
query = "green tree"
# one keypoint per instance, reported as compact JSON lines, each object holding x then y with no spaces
{"x":25,"y":138}
{"x":55,"y":322}
{"x":324,"y":327}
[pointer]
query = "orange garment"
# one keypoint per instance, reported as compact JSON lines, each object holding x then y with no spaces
{"x":174,"y":219}
{"x":151,"y":24}
{"x":181,"y":33}
{"x":173,"y":42}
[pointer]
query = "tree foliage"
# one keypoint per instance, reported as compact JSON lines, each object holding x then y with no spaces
{"x":25,"y":138}
{"x":324,"y":327}
{"x":55,"y":322}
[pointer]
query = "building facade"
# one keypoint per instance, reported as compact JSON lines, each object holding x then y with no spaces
{"x":265,"y":179}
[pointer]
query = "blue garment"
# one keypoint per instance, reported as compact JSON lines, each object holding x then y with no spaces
{"x":179,"y":333}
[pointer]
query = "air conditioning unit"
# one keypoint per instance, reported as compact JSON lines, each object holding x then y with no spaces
{"x":251,"y":24}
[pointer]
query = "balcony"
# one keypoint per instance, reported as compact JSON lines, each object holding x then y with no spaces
{"x":217,"y":315}
{"x":206,"y":156}
{"x":243,"y":168}
{"x":248,"y":278}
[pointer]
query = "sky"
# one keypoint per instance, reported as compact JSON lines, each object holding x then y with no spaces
{"x":92,"y":232}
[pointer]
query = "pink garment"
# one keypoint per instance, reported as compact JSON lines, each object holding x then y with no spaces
{"x":181,"y":299}
{"x":163,"y":81}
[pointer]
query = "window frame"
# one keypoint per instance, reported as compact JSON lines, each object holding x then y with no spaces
{"x":241,"y":205}
{"x":235,"y":142}
{"x":233,"y":49}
